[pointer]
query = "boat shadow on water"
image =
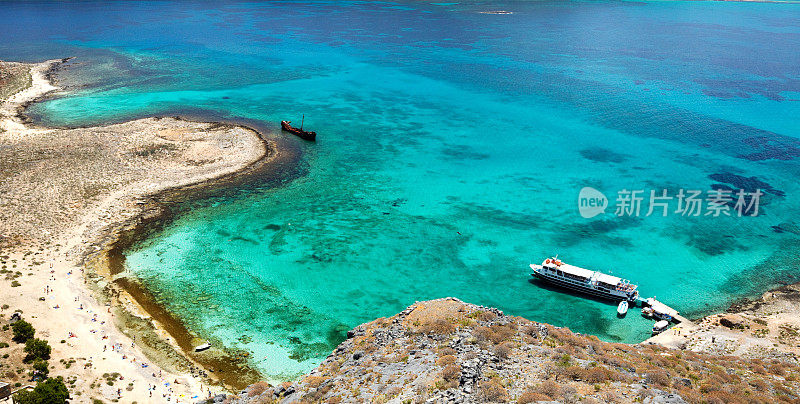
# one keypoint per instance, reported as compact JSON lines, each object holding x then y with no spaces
{"x":594,"y":323}
{"x":567,"y":291}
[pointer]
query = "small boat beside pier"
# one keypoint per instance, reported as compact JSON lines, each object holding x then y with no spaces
{"x":622,"y":308}
{"x":660,"y":326}
{"x":654,"y":308}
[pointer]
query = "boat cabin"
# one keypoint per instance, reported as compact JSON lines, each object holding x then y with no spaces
{"x":601,"y":281}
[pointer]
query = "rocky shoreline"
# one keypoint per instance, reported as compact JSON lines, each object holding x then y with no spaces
{"x":766,"y":328}
{"x":98,"y":189}
{"x":448,"y":351}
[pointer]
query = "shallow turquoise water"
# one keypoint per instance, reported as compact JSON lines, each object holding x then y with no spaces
{"x":452,"y":147}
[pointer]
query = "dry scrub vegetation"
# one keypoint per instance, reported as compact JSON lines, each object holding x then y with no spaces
{"x":48,"y":181}
{"x":13,"y":78}
{"x":452,"y":351}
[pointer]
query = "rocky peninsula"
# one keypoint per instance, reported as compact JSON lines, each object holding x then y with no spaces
{"x":68,"y":198}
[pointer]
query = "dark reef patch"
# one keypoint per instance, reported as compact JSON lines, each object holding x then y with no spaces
{"x":602,"y":155}
{"x":244,"y":239}
{"x":514,"y":220}
{"x":742,"y":88}
{"x":645,"y":117}
{"x":597,"y":231}
{"x":302,"y":351}
{"x":712,"y":244}
{"x":748,"y":184}
{"x":779,"y":269}
{"x":608,"y":225}
{"x":771,"y":148}
{"x":747,"y":206}
{"x":337,"y":334}
{"x":463,"y":153}
{"x":787,"y":227}
{"x":399,"y":201}
{"x":725,"y":94}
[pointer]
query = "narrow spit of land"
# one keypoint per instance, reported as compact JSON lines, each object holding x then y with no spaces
{"x":66,"y":196}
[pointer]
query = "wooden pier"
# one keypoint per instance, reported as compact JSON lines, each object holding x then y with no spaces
{"x":675,"y":336}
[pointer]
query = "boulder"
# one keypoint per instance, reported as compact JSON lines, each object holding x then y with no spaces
{"x":732,"y":321}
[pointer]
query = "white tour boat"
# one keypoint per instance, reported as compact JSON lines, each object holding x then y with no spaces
{"x":586,"y":281}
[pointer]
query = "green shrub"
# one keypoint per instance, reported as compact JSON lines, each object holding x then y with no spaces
{"x":23,"y":331}
{"x":41,"y":367}
{"x":37,"y":349}
{"x":50,"y":391}
{"x":564,"y":361}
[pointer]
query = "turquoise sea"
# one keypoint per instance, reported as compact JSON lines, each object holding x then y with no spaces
{"x":453,"y":143}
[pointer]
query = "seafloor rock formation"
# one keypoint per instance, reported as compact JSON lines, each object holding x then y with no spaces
{"x":450,"y":351}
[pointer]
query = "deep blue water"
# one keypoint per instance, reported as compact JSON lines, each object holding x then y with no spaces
{"x":452,"y":147}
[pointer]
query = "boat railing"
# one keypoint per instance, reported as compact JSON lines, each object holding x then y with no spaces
{"x":626,"y":287}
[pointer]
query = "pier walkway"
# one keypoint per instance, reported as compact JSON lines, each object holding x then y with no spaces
{"x":676,"y":336}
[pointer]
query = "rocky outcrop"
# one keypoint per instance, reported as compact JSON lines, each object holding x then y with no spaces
{"x":766,"y":329}
{"x":732,"y":321}
{"x":448,"y":351}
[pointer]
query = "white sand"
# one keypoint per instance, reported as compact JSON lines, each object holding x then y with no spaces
{"x":69,"y":311}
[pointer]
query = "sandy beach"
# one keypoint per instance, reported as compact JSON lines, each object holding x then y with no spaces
{"x":66,"y":195}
